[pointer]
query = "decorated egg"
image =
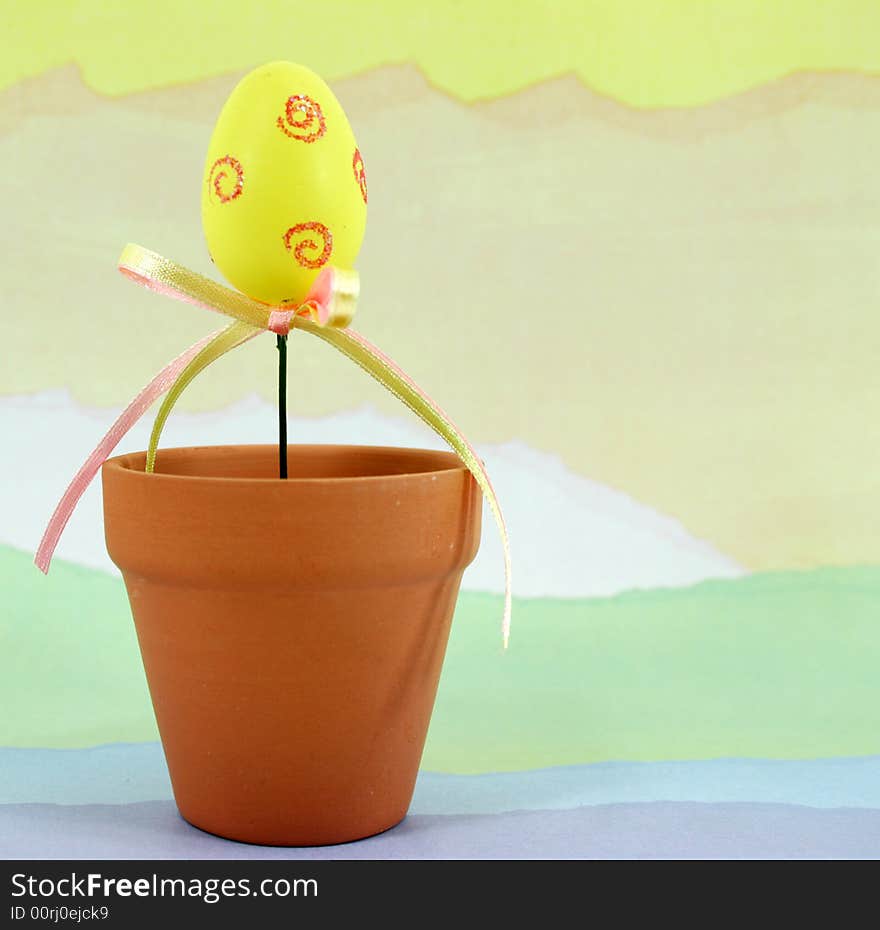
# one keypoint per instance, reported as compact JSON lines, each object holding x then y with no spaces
{"x":284,"y":192}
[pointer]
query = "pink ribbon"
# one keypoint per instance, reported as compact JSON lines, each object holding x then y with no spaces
{"x":327,"y":310}
{"x":127,"y":419}
{"x":320,"y":304}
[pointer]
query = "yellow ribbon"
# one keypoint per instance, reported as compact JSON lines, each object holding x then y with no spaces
{"x":325,"y":313}
{"x":227,"y":339}
{"x":331,"y":302}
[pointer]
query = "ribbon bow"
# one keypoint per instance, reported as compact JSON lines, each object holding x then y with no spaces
{"x":327,"y":310}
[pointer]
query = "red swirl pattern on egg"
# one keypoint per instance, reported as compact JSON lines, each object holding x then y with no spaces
{"x":219,"y":179}
{"x":303,"y":119}
{"x":305,"y":245}
{"x":360,"y":174}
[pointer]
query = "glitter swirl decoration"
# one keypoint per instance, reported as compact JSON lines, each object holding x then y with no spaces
{"x":220,"y":180}
{"x":360,"y":174}
{"x":303,"y":119}
{"x":303,"y":246}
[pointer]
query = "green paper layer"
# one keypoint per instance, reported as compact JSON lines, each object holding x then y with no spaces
{"x":773,"y":666}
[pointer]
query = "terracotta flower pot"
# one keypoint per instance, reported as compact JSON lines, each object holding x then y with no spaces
{"x":292,"y":632}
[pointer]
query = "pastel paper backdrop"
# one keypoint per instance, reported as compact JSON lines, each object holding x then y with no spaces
{"x":632,"y":249}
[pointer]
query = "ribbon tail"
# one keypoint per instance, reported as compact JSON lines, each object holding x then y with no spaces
{"x":81,"y":480}
{"x":379,"y":366}
{"x":227,"y":339}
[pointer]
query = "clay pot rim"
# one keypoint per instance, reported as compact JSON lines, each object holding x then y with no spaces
{"x":133,"y":463}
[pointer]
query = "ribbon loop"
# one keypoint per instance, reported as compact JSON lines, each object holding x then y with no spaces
{"x":331,"y":300}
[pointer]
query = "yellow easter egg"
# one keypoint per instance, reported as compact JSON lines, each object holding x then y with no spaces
{"x":284,"y":192}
